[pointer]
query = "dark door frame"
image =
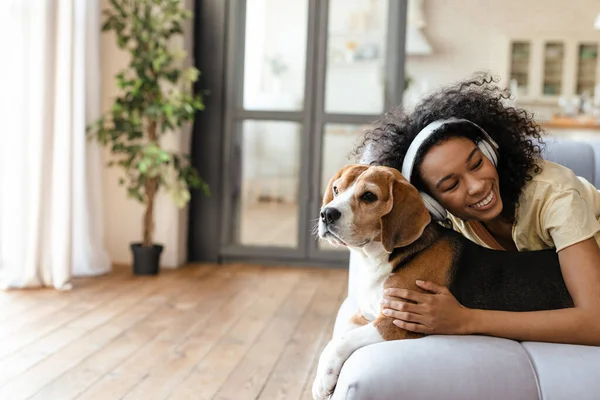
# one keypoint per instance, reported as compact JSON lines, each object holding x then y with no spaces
{"x":210,"y":29}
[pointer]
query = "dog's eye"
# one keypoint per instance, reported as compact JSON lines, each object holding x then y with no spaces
{"x":335,"y":190}
{"x":369,"y":197}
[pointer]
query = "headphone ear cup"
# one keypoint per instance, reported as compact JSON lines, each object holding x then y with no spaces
{"x":488,"y":151}
{"x":436,"y":210}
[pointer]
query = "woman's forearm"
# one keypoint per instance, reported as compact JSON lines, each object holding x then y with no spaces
{"x":571,"y":325}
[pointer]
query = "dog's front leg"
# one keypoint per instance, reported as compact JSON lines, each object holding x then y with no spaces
{"x":356,"y":321}
{"x":339,"y":349}
{"x":388,"y":331}
{"x":336,"y":353}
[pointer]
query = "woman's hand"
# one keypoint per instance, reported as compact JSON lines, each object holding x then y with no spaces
{"x":436,"y":313}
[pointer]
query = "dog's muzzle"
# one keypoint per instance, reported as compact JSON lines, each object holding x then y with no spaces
{"x":329,"y":215}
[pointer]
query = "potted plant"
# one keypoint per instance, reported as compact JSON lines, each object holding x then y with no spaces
{"x":156,"y":98}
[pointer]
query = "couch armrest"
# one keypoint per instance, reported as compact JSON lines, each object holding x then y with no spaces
{"x":439,"y":367}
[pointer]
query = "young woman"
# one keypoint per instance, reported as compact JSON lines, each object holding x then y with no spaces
{"x":479,"y":162}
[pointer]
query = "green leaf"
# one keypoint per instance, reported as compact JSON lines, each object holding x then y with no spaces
{"x":152,"y":111}
{"x":134,"y":192}
{"x":205,"y":188}
{"x":198,"y":104}
{"x":118,"y":147}
{"x":108,"y":24}
{"x":164,"y":156}
{"x":172,"y":76}
{"x":122,"y":41}
{"x":119,"y":8}
{"x":143,"y":166}
{"x":156,"y":65}
{"x":168,"y":110}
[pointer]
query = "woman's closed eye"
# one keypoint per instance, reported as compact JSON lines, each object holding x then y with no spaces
{"x":452,"y":186}
{"x":477,"y":164}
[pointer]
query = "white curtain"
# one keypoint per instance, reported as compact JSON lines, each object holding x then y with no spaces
{"x":50,"y":175}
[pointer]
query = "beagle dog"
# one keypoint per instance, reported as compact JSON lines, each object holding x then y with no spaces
{"x":382,"y":220}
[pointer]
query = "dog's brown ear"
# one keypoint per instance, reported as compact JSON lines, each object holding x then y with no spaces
{"x":407,"y":219}
{"x":328,"y":196}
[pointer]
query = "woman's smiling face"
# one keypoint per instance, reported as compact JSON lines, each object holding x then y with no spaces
{"x":464,"y":181}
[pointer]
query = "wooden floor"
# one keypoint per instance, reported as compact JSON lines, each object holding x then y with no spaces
{"x":200,"y":332}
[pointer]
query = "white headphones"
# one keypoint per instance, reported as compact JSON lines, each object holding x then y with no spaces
{"x":487,"y":145}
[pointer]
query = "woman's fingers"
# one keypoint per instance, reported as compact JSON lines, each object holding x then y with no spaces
{"x":406,"y":294}
{"x":399,"y":305}
{"x":403,"y":315}
{"x":432,"y":287}
{"x":412,"y":327}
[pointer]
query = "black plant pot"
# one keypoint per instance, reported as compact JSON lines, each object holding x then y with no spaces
{"x":146,"y":260}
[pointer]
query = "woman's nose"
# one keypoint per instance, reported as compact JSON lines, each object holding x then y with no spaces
{"x":475,"y":185}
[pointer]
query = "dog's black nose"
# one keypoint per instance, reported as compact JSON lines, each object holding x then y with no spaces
{"x":330,"y":215}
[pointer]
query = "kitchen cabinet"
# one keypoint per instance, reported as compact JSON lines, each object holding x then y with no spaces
{"x":546,"y":68}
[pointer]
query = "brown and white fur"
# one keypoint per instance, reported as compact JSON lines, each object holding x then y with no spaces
{"x":382,"y":220}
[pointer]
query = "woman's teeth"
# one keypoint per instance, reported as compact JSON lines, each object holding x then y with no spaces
{"x":485,"y":201}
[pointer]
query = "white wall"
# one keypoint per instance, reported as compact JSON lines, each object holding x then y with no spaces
{"x":471,"y":35}
{"x":123,"y":216}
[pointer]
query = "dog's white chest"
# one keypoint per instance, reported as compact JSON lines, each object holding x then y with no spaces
{"x":369,"y":295}
{"x":372,"y":274}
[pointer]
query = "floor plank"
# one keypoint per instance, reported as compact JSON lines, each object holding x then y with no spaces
{"x":293,"y":369}
{"x":200,"y":332}
{"x":325,"y":337}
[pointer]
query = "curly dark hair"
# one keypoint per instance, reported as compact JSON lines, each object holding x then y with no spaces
{"x":480,"y":100}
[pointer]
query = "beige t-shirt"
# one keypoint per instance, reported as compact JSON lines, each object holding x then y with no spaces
{"x":556,"y":209}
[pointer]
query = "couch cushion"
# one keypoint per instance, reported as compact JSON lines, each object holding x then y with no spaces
{"x":434,"y":367}
{"x":566,"y":371}
{"x":578,"y":156}
{"x":439,"y":367}
{"x":595,"y":144}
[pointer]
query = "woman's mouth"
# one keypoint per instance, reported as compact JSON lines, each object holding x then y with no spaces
{"x":487,"y":203}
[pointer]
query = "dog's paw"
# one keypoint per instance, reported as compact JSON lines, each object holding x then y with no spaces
{"x":323,"y":385}
{"x":328,"y":371}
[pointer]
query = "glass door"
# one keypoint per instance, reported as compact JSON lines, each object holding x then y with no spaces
{"x":305,"y":78}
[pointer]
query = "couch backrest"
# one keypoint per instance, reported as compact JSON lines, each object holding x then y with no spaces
{"x":579,"y":156}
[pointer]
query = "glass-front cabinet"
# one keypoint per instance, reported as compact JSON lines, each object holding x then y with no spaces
{"x":542,"y":69}
{"x":587,"y":67}
{"x":519,"y":65}
{"x":554,"y":58}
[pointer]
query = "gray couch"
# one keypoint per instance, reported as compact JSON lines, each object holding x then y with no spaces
{"x":476,"y":367}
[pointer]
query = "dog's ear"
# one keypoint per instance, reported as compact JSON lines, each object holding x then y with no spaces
{"x":407,"y":219}
{"x":328,"y":196}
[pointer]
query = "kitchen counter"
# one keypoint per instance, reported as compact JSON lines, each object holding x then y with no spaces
{"x":579,"y":128}
{"x":571,"y":123}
